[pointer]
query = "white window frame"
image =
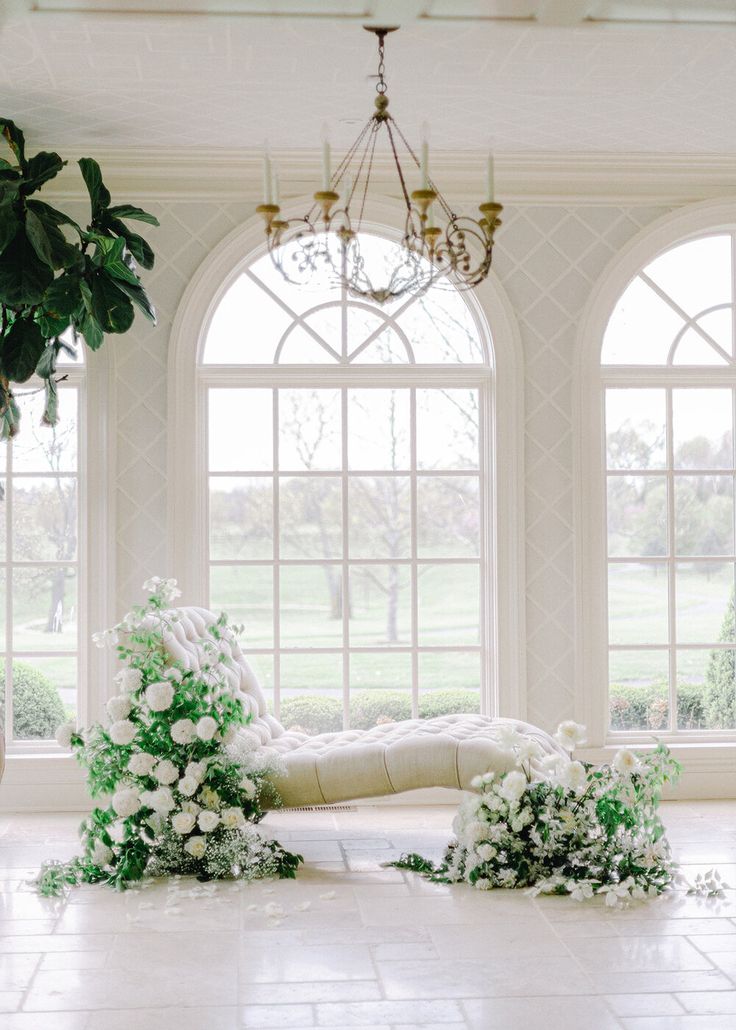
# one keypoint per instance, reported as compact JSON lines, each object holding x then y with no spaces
{"x":591,"y":380}
{"x":504,"y":631}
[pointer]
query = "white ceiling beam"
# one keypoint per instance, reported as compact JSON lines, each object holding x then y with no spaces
{"x":562,"y":13}
{"x":395,"y":12}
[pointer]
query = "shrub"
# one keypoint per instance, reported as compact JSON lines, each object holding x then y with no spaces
{"x":647,"y":708}
{"x":448,"y":702}
{"x":37,"y":707}
{"x":370,"y":708}
{"x":312,"y":714}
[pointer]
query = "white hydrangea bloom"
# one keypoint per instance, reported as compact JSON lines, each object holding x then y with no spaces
{"x":206,"y":727}
{"x":166,"y":772}
{"x":159,"y":696}
{"x":129,"y":680}
{"x":173,"y":674}
{"x":123,"y":732}
{"x":141,"y":763}
{"x":64,"y":734}
{"x":183,"y":822}
{"x":196,"y":846}
{"x":196,"y":770}
{"x":119,"y":707}
{"x":126,"y":801}
{"x":183,"y":731}
{"x":101,"y":854}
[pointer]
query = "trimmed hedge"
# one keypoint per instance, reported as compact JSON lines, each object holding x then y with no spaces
{"x":642,"y":708}
{"x":314,"y":713}
{"x":37,"y":707}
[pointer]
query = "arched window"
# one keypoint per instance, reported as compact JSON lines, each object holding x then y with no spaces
{"x":349,"y":480}
{"x":668,"y":371}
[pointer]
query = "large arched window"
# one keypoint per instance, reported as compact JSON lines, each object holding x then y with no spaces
{"x":348,"y":470}
{"x":668,"y":370}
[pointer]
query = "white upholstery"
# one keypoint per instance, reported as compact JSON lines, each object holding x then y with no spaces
{"x":388,"y":759}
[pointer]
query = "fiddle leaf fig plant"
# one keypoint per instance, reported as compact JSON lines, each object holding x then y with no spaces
{"x":60,"y":282}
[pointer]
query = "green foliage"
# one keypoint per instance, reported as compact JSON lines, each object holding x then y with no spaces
{"x":434,"y":703}
{"x":720,"y":681}
{"x":37,"y":707}
{"x":49,"y":284}
{"x":372,"y":707}
{"x":641,"y":708}
{"x":312,"y":714}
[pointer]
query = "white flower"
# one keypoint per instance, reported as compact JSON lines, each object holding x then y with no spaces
{"x":101,"y":854}
{"x":64,"y":734}
{"x":477,"y":782}
{"x":105,"y":638}
{"x":159,"y":696}
{"x":183,"y":822}
{"x":192,"y":807}
{"x":206,"y":727}
{"x":129,"y":680}
{"x":119,"y":707}
{"x":126,"y":801}
{"x":173,"y":674}
{"x":570,"y":735}
{"x":187,"y":786}
{"x":508,"y":737}
{"x":209,"y":797}
{"x":486,"y":852}
{"x":248,"y":787}
{"x":151,"y":585}
{"x":161,"y":800}
{"x":166,"y":772}
{"x":529,"y":749}
{"x":141,"y":763}
{"x":229,"y":735}
{"x":233,"y":818}
{"x":196,"y":770}
{"x":625,"y":762}
{"x":207,"y":821}
{"x":512,"y":786}
{"x":196,"y":846}
{"x":183,"y":731}
{"x":123,"y":732}
{"x":116,"y":831}
{"x":579,"y":891}
{"x":574,"y":777}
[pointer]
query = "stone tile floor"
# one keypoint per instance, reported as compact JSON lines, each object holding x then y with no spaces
{"x":351,"y":944}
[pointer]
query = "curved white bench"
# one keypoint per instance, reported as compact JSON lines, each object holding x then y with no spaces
{"x":448,"y":751}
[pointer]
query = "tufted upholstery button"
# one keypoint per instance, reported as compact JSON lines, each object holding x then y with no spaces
{"x":444,"y":752}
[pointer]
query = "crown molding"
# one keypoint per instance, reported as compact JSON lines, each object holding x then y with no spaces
{"x":521,"y":178}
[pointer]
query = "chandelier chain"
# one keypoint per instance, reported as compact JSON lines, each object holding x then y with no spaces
{"x":381,"y":86}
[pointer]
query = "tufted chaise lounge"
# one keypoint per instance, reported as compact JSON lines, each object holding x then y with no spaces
{"x":444,"y":752}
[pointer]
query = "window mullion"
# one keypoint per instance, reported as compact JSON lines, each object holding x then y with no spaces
{"x":671,"y":591}
{"x":414,"y":555}
{"x":276,"y":516}
{"x":345,"y":570}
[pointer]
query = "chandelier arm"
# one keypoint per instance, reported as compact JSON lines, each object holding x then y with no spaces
{"x":347,"y":159}
{"x":443,"y":203}
{"x":370,"y":152}
{"x":399,"y":169}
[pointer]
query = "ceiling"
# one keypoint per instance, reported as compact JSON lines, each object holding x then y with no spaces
{"x":623,"y":76}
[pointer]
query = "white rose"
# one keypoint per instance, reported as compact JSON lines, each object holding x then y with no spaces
{"x":574,"y":777}
{"x":570,"y":735}
{"x":159,"y":696}
{"x":248,"y":787}
{"x":141,"y":763}
{"x":123,"y":732}
{"x":187,"y":786}
{"x":206,"y":728}
{"x":625,"y":763}
{"x":183,"y":731}
{"x":209,"y":797}
{"x":486,"y":852}
{"x":233,"y":818}
{"x":183,"y":822}
{"x":126,"y":801}
{"x":196,"y":770}
{"x":161,"y":800}
{"x":118,"y":707}
{"x":101,"y":854}
{"x":129,"y":680}
{"x":192,"y":807}
{"x":166,"y":772}
{"x":64,"y":734}
{"x":207,"y":821}
{"x":196,"y":846}
{"x":512,"y":786}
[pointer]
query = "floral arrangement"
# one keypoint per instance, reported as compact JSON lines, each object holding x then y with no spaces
{"x":181,"y":791}
{"x":560,"y":826}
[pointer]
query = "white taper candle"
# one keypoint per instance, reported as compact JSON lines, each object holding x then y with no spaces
{"x":491,"y":190}
{"x":326,"y":170}
{"x":267,"y":180}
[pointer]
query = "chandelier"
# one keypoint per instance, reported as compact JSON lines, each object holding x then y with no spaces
{"x":327,"y":238}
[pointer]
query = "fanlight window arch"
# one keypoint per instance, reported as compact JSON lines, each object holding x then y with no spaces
{"x":348,"y":458}
{"x":671,"y":470}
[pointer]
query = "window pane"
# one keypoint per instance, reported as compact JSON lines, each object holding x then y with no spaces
{"x":240,"y":430}
{"x":380,"y":599}
{"x":637,"y":604}
{"x":44,"y":518}
{"x":447,"y":429}
{"x":448,"y":516}
{"x":245,"y":592}
{"x":3,"y":503}
{"x":706,"y":687}
{"x":3,"y":601}
{"x":638,"y":691}
{"x":380,"y":517}
{"x":246,"y":326}
{"x":704,"y":515}
{"x":44,"y":695}
{"x":441,"y":329}
{"x":637,"y":516}
{"x":311,"y":692}
{"x":310,"y":605}
{"x":449,"y":604}
{"x":696,"y":274}
{"x":705,"y":602}
{"x":635,"y":428}
{"x":378,"y":429}
{"x":309,"y":430}
{"x":387,"y":349}
{"x":380,"y":689}
{"x":449,"y":683}
{"x":44,"y":449}
{"x":302,"y":348}
{"x":262,"y":665}
{"x":702,"y":429}
{"x":241,"y":517}
{"x":310,"y":517}
{"x":45,"y":609}
{"x":641,"y":329}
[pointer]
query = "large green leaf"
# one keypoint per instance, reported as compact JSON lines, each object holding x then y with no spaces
{"x":40,"y":169}
{"x":140,"y":298}
{"x":9,"y":221}
{"x":61,"y":301}
{"x":91,"y":331}
{"x":129,"y":211}
{"x":15,"y":138}
{"x":111,"y":256}
{"x":24,"y":278}
{"x":21,"y":349}
{"x":137,"y":246}
{"x":38,"y":239}
{"x":110,"y":307}
{"x":50,"y":215}
{"x":99,"y":195}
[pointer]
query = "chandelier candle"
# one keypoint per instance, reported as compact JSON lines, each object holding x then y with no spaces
{"x":491,"y":179}
{"x":438,"y":247}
